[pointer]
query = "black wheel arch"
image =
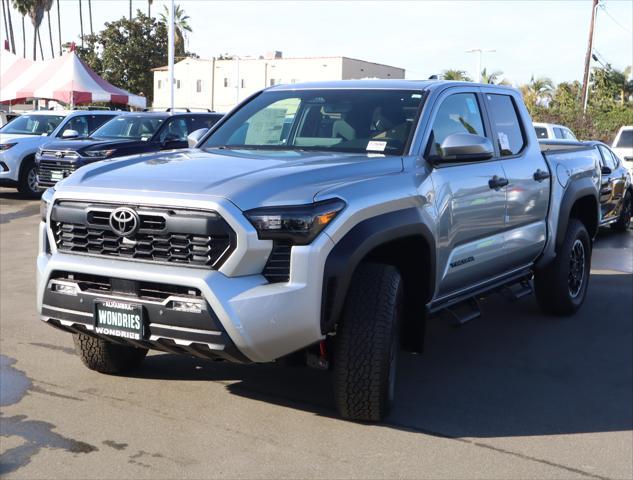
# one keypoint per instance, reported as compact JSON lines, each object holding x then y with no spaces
{"x":398,"y":238}
{"x":580,"y":201}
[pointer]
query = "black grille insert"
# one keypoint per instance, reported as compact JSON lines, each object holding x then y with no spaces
{"x":166,"y":235}
{"x":277,"y":267}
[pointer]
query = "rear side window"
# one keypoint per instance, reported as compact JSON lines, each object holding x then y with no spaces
{"x":568,"y":135}
{"x":541,"y":132}
{"x":506,"y":124}
{"x":95,"y":121}
{"x":201,"y":121}
{"x":458,"y":113}
{"x":625,"y":140}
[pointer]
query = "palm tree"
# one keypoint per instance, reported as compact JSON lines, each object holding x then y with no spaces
{"x":10,"y":21}
{"x":493,"y":78}
{"x":459,"y":75}
{"x":90,"y":16}
{"x":81,"y":24}
{"x":48,"y":4}
{"x":36,"y":13}
{"x":22,"y":6}
{"x":181,"y":26}
{"x":59,"y":29}
{"x":6,"y":25}
{"x":537,"y":91}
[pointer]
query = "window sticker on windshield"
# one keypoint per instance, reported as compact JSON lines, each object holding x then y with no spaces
{"x":504,"y":142}
{"x":375,"y":146}
{"x":416,"y":95}
{"x":472,"y":107}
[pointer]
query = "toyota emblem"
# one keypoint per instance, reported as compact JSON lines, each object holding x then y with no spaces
{"x":59,"y":154}
{"x":124,"y":221}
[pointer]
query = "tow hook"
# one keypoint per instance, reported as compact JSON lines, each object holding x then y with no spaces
{"x":318,"y":358}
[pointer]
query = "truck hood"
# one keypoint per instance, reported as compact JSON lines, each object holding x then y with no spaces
{"x":247,"y":178}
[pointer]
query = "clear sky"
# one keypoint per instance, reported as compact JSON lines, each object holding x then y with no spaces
{"x":425,"y":37}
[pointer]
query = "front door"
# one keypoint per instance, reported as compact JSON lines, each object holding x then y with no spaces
{"x":470,"y":208}
{"x":610,"y":189}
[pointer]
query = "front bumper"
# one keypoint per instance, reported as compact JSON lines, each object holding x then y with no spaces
{"x":248,"y":319}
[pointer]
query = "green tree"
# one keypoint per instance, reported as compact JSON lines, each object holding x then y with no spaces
{"x":459,"y":75}
{"x":537,"y":92}
{"x":494,"y":78}
{"x":125,"y":52}
{"x":181,"y":24}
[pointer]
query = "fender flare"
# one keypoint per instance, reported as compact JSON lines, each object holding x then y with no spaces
{"x":580,"y":188}
{"x":348,"y":253}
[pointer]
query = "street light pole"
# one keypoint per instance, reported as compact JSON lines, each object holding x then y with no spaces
{"x":170,"y":54}
{"x":585,"y":78}
{"x":479,"y":52}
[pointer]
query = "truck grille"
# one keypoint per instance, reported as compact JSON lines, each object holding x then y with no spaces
{"x":173,"y":236}
{"x":49,"y":172}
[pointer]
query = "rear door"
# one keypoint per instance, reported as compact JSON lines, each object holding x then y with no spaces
{"x":528,"y":176}
{"x":470,"y":211}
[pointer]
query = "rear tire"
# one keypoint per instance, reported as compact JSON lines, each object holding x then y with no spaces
{"x":107,"y":357}
{"x":561,"y":287}
{"x":624,"y":220}
{"x":27,"y":181}
{"x":367,"y":344}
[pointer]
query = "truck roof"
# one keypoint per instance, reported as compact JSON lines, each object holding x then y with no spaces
{"x":379,"y":84}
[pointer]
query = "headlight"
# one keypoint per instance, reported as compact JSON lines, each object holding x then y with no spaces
{"x":5,"y":146}
{"x":299,"y":224}
{"x":98,"y":153}
{"x":47,"y":198}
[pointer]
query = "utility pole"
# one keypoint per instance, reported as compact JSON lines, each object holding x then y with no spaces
{"x":585,"y":78}
{"x":170,"y":54}
{"x":479,"y":52}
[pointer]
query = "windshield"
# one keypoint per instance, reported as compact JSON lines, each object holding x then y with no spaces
{"x":132,"y":128}
{"x":333,"y":120}
{"x":33,"y":124}
{"x":625,"y":140}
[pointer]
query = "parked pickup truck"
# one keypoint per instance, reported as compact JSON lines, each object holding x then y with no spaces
{"x":324,"y":220}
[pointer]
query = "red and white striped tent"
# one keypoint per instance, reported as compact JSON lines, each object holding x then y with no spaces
{"x":66,"y":79}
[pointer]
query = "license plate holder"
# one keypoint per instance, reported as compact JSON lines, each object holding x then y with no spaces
{"x":119,"y":319}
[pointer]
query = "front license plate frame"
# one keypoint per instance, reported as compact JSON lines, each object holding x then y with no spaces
{"x":120,"y":319}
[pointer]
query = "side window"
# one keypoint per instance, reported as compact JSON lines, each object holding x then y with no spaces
{"x":175,"y":130}
{"x":541,"y":132}
{"x":616,"y":160}
{"x":607,"y":159}
{"x":506,"y":124}
{"x":558,"y":133}
{"x":458,"y":113}
{"x":201,"y":121}
{"x":95,"y":121}
{"x":568,"y":135}
{"x":79,"y":123}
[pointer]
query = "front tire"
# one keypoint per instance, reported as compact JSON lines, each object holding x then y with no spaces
{"x":107,"y":357}
{"x":367,"y":344}
{"x":27,"y":181}
{"x":624,"y":220}
{"x":561,"y":287}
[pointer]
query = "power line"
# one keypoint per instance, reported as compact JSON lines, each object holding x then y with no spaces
{"x":624,"y":27}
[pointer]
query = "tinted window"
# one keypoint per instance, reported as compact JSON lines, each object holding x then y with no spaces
{"x":626,"y":139}
{"x":141,"y":127}
{"x":558,"y":133}
{"x":607,"y":159}
{"x":458,"y":113}
{"x":541,"y":132}
{"x":95,"y":121}
{"x":33,"y":124}
{"x":79,"y":124}
{"x":175,"y":130}
{"x":334,"y":120}
{"x":568,"y":135}
{"x":202,"y":121}
{"x":506,"y":124}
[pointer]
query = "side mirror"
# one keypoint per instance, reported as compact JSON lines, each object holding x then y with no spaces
{"x":194,"y":137}
{"x":606,"y":170}
{"x":70,"y":134}
{"x":466,"y":147}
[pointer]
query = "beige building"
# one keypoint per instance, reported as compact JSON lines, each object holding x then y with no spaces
{"x":219,"y":84}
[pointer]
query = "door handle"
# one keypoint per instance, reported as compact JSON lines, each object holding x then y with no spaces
{"x":497,"y":182}
{"x":541,"y":175}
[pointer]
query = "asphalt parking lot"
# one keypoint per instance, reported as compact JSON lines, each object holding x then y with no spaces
{"x":514,"y":394}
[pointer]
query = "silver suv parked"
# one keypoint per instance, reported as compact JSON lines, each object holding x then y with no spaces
{"x":329,"y":219}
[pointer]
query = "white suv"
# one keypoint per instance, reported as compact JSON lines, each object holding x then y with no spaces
{"x":623,"y":146}
{"x":20,"y":139}
{"x":553,"y":131}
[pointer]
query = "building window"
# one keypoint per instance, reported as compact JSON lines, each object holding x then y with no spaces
{"x":198,"y":86}
{"x":272,"y":82}
{"x":177,"y":83}
{"x":226,"y":82}
{"x":242,"y":83}
{"x":160,"y":83}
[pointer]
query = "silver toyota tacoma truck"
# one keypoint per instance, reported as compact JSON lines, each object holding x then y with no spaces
{"x":326,"y":221}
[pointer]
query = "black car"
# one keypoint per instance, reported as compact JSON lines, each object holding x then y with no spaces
{"x":127,"y":134}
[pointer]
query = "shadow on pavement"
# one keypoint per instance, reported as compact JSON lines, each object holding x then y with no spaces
{"x":513,"y":372}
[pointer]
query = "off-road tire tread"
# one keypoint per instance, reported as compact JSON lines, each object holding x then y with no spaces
{"x":551,"y":282}
{"x":620,"y":225}
{"x":107,"y":357}
{"x":363,"y":342}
